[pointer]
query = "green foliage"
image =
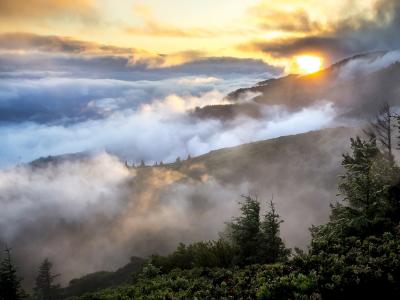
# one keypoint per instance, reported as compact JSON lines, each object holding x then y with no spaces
{"x":245,"y":232}
{"x":271,"y":247}
{"x":202,"y":254}
{"x":10,"y":284}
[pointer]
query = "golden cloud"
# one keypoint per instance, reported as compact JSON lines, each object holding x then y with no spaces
{"x":152,"y":27}
{"x":33,"y":9}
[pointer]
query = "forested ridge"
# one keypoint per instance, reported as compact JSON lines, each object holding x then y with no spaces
{"x":355,"y":255}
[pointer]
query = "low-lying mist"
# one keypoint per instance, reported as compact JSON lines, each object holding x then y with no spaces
{"x":94,"y":213}
{"x":157,"y":131}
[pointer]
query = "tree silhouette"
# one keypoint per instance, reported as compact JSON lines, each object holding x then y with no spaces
{"x":10,"y":284}
{"x":381,"y":128}
{"x":245,"y":231}
{"x":44,"y":288}
{"x":272,"y":248}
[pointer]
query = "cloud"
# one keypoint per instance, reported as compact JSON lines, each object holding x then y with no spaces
{"x":362,"y":66}
{"x":46,"y":8}
{"x":61,"y":99}
{"x":150,"y":26}
{"x":93,"y":213}
{"x":359,"y":32}
{"x":158,"y":131}
{"x":294,"y":21}
{"x":23,"y":41}
{"x":39,"y":9}
{"x":18,"y":50}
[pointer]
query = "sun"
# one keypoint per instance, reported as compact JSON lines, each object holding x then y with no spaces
{"x":306,"y":64}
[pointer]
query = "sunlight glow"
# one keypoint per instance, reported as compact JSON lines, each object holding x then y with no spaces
{"x":307,"y":64}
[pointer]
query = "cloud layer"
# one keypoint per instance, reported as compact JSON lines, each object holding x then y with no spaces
{"x":360,"y":31}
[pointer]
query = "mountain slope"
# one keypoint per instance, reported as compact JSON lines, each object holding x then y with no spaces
{"x":357,"y":86}
{"x":301,"y":171}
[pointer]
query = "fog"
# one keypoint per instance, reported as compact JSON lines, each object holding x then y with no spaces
{"x":93,"y":213}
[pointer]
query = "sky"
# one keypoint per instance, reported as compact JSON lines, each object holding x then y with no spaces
{"x":71,"y":71}
{"x":184,"y":30}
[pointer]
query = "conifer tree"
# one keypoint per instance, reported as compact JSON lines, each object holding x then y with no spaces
{"x":272,"y":248}
{"x":245,"y":231}
{"x":142,"y":163}
{"x":10,"y":284}
{"x":45,"y":289}
{"x":365,"y":184}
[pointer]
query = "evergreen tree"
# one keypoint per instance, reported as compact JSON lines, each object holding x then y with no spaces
{"x":245,"y":231}
{"x":45,"y":289}
{"x":365,"y":186}
{"x":272,"y":248}
{"x":10,"y":284}
{"x":142,"y":164}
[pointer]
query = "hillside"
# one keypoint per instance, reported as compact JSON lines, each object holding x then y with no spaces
{"x":357,"y":86}
{"x":300,"y":171}
{"x":142,"y":211}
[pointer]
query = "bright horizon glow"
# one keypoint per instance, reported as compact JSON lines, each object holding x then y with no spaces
{"x":307,"y":64}
{"x":249,"y":29}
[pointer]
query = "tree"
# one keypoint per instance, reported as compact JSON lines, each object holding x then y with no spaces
{"x":45,"y":289}
{"x":365,"y":185}
{"x":245,"y":231}
{"x":10,"y":284}
{"x":142,"y":164}
{"x":178,"y":160}
{"x":382,"y":129}
{"x":272,"y":248}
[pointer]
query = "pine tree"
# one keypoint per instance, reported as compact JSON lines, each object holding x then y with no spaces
{"x":365,"y":184}
{"x":272,"y":248}
{"x":142,"y":164}
{"x":45,"y":289}
{"x":10,"y":284}
{"x":245,"y":231}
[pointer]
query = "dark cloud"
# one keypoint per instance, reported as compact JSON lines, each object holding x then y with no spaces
{"x":333,"y":47}
{"x":34,"y":42}
{"x":26,"y":51}
{"x":273,"y":19}
{"x":347,"y":37}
